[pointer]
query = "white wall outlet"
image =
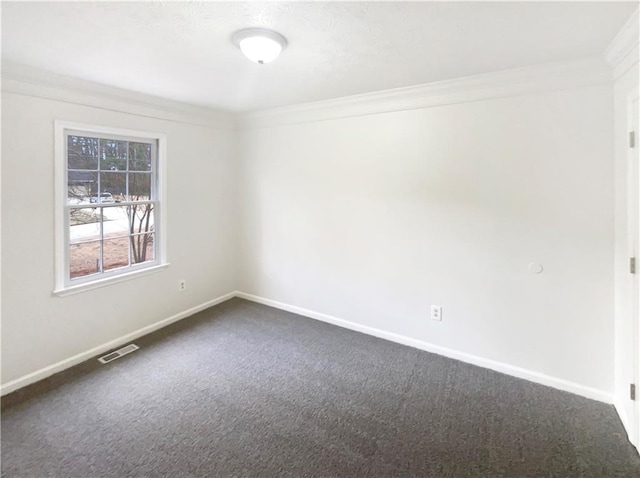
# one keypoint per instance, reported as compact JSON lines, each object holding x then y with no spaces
{"x":436,"y":312}
{"x":182,"y":285}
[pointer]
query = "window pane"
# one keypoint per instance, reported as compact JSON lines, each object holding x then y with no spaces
{"x":116,"y":221}
{"x":113,"y":155}
{"x":139,"y":186}
{"x":84,"y":259}
{"x":115,"y":253}
{"x":139,"y":157}
{"x":113,"y":185}
{"x":104,"y":173}
{"x":81,"y":185}
{"x":141,"y":218}
{"x":142,"y":249}
{"x":84,"y":224}
{"x":82,"y":152}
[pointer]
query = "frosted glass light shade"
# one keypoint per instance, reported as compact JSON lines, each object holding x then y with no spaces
{"x":260,"y":45}
{"x":260,"y":49}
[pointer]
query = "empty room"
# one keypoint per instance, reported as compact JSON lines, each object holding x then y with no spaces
{"x":320,"y":239}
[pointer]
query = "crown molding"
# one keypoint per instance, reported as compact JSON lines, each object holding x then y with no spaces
{"x":623,"y":52}
{"x":555,"y":76}
{"x":28,"y":81}
{"x":24,"y":80}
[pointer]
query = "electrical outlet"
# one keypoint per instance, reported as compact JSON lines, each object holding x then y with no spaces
{"x":436,"y":312}
{"x":182,"y":285}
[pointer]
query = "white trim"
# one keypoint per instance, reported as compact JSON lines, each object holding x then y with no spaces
{"x":512,"y":370}
{"x":520,"y":81}
{"x":620,"y":409}
{"x":632,"y":423}
{"x":62,"y":284}
{"x":81,"y":357}
{"x":161,"y":185}
{"x":501,"y":367}
{"x":20,"y":79}
{"x":28,"y":81}
{"x":622,"y":53}
{"x":622,"y":414}
{"x":99,"y":283}
{"x":59,"y":200}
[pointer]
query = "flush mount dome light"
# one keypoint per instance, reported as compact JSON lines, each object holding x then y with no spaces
{"x":260,"y":45}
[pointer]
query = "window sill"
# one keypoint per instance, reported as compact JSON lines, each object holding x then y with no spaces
{"x":77,"y":289}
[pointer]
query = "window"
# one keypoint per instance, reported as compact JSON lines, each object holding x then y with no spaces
{"x":109,"y":206}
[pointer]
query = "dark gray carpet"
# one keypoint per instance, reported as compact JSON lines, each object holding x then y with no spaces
{"x":245,"y":390}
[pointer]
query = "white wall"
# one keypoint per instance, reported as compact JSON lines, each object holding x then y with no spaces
{"x":370,"y":219}
{"x":39,"y":329}
{"x":373,"y":218}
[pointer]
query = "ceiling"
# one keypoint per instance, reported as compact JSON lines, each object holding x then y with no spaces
{"x":183,"y":50}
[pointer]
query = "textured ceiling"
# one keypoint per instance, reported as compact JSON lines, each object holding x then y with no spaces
{"x":183,"y":51}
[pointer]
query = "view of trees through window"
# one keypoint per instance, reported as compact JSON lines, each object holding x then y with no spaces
{"x":110,"y":203}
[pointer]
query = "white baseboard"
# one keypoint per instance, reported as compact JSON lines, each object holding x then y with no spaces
{"x":81,"y":357}
{"x":632,"y":434}
{"x":401,"y":339}
{"x":622,"y":414}
{"x":512,"y":370}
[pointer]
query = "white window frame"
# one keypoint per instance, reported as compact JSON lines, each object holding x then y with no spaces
{"x":63,"y":284}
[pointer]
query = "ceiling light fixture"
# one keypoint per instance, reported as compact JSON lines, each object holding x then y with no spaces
{"x":259,"y":44}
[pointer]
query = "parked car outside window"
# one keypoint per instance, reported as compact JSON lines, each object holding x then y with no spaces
{"x":103,"y":198}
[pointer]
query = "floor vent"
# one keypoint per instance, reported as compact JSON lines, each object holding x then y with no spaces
{"x":116,"y":354}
